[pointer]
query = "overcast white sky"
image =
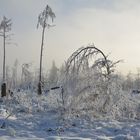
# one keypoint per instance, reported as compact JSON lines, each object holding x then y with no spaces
{"x":112,"y":25}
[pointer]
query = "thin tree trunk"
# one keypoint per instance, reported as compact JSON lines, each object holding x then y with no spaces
{"x":3,"y":86}
{"x":40,"y":71}
{"x":4,"y":57}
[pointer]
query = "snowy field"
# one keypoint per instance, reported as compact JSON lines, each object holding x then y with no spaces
{"x":30,"y":121}
{"x":86,"y":97}
{"x":46,"y":126}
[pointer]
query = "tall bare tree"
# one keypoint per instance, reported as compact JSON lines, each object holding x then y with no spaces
{"x":43,"y":19}
{"x":5,"y":28}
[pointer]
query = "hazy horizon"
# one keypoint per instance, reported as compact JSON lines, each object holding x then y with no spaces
{"x":113,"y":26}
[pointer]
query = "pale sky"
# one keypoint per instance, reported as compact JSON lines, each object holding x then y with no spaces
{"x":112,"y":25}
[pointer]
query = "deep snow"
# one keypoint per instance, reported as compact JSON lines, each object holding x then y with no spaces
{"x":46,"y":124}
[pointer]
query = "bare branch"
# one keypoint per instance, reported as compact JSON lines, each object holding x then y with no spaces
{"x":81,"y":59}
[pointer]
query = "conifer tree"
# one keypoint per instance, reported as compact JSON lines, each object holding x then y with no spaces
{"x":43,"y":22}
{"x":5,"y":28}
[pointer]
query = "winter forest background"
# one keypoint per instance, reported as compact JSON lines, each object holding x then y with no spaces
{"x":87,"y":86}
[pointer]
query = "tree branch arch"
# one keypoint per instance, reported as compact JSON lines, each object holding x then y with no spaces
{"x":79,"y":58}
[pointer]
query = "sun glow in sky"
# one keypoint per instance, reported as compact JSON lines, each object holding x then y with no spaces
{"x":112,"y":25}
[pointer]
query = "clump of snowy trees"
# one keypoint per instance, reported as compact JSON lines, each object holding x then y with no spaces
{"x":86,"y":85}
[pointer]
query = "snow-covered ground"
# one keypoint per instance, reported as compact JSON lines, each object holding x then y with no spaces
{"x":44,"y":126}
{"x":47,"y":125}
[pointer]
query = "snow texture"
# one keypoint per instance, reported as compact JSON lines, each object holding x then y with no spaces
{"x":27,"y":116}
